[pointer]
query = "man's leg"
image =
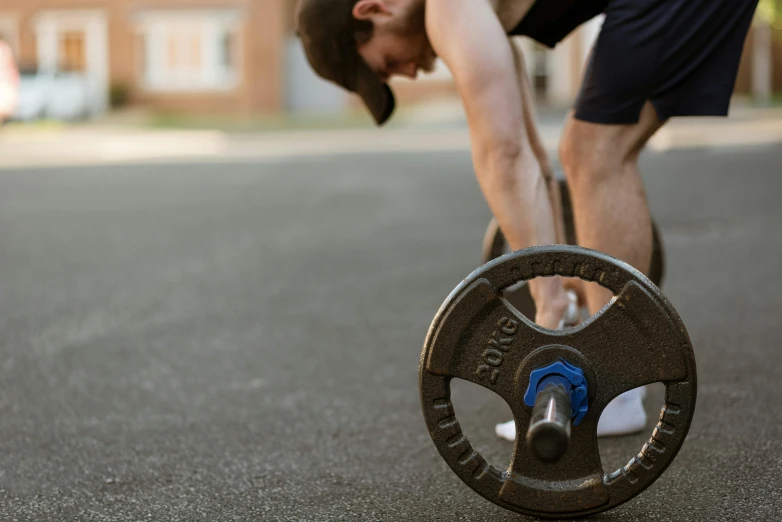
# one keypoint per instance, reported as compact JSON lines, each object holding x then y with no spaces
{"x":612,"y":216}
{"x":681,"y":54}
{"x":609,"y":201}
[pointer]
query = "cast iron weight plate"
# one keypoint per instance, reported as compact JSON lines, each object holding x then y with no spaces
{"x":478,"y":336}
{"x":494,"y":245}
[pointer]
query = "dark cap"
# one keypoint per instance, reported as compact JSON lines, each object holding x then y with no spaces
{"x":326,"y":30}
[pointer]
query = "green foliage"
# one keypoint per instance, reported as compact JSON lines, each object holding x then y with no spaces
{"x":119,"y":95}
{"x":770,"y":12}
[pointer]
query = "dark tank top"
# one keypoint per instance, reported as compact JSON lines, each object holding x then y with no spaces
{"x":549,"y":21}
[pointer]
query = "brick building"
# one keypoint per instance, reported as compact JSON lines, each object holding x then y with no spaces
{"x":201,"y":55}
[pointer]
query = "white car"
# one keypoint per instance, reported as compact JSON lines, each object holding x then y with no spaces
{"x":55,"y":95}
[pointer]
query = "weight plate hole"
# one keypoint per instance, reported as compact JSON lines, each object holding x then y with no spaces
{"x":616,"y":452}
{"x":478,"y":411}
{"x":519,"y":297}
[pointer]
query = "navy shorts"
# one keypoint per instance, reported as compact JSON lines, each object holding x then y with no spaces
{"x":682,"y":55}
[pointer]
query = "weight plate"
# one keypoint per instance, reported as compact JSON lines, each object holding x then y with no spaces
{"x":639,"y":339}
{"x":494,"y":245}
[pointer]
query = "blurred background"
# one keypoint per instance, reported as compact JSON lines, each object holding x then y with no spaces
{"x":223,"y":63}
{"x":216,"y":280}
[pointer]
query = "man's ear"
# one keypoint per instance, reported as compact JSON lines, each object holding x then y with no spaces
{"x":368,"y":9}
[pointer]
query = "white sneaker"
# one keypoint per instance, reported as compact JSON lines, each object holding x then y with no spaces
{"x":572,"y":312}
{"x":625,"y":415}
{"x":506,"y":430}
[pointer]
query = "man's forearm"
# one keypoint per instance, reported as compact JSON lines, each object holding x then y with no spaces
{"x":535,"y":140}
{"x":517,"y":193}
{"x":517,"y":179}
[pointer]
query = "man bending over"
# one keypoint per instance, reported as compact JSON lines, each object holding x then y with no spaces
{"x":653,"y":60}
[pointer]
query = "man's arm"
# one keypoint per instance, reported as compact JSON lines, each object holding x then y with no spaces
{"x":530,"y":124}
{"x":468,"y":37}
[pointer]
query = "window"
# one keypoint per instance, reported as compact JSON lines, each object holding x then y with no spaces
{"x":228,"y":51}
{"x":182,"y":59}
{"x":193,"y":51}
{"x":72,"y":51}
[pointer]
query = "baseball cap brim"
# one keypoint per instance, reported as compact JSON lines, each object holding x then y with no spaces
{"x":326,"y":31}
{"x":376,"y":94}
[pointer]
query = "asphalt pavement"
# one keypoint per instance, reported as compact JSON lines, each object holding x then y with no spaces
{"x":236,"y":342}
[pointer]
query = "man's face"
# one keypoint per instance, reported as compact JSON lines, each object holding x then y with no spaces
{"x":399,"y":45}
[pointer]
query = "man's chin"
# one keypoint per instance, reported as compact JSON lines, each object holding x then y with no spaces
{"x":429,"y":61}
{"x":427,"y":67}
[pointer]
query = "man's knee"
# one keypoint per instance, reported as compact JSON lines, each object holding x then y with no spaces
{"x":594,"y":152}
{"x":590,"y":156}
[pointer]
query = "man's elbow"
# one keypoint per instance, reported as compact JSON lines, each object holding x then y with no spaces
{"x":499,"y":159}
